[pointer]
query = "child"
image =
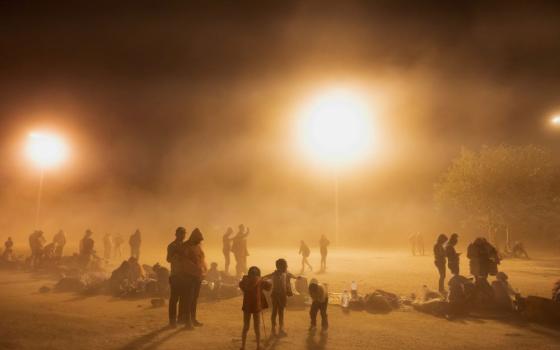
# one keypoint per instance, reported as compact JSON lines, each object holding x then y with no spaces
{"x":281,"y":290}
{"x":254,"y":302}
{"x":320,"y":296}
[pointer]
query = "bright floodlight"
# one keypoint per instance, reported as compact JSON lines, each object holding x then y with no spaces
{"x":335,"y":127}
{"x":555,"y":120}
{"x":46,"y":150}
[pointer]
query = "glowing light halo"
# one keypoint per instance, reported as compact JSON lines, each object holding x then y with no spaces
{"x":555,"y":120}
{"x":45,"y":150}
{"x":335,"y":127}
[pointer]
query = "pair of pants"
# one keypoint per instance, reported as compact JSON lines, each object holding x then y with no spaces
{"x":190,"y":295}
{"x":227,"y":261}
{"x":135,"y":252}
{"x":441,"y":269}
{"x":177,"y":291}
{"x":317,"y":306}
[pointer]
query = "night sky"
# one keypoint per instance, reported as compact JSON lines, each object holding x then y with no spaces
{"x":193,"y":102}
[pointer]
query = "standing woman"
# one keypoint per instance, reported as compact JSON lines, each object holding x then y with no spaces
{"x":439,"y":260}
{"x":452,"y":255}
{"x":226,"y":247}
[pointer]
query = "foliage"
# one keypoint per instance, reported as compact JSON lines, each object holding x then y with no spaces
{"x":510,"y":186}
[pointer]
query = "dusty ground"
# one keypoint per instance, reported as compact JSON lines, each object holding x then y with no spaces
{"x":30,"y":320}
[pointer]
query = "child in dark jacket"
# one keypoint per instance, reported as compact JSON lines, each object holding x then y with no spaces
{"x":254,"y":302}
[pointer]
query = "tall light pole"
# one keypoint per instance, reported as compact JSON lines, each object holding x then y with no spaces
{"x":44,"y":150}
{"x":335,"y":130}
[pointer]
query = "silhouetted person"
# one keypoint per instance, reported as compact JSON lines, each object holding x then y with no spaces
{"x":226,"y":248}
{"x":461,"y":294}
{"x":452,"y":255}
{"x":439,"y":260}
{"x":504,"y":294}
{"x":304,"y":251}
{"x":135,"y":241}
{"x":117,"y":249}
{"x":86,"y":248}
{"x":254,"y":301}
{"x":107,"y":246}
{"x":176,"y":257}
{"x":8,"y":253}
{"x":136,"y":271}
{"x":412,"y":241}
{"x":281,"y":290}
{"x":240,"y":252}
{"x":195,"y":269}
{"x":36,"y":244}
{"x":60,"y":240}
{"x":556,"y":292}
{"x":519,"y":250}
{"x":324,"y":248}
{"x":320,"y":301}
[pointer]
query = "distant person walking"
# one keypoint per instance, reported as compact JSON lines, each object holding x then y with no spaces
{"x":226,"y":248}
{"x":240,"y":251}
{"x":195,"y":270}
{"x":324,"y":248}
{"x":60,"y":241}
{"x":420,"y":243}
{"x":175,"y":257}
{"x":304,"y":251}
{"x":8,"y":253}
{"x":412,"y":241}
{"x":86,"y":248}
{"x":107,"y":246}
{"x":135,"y":241}
{"x":439,"y":261}
{"x":452,"y":255}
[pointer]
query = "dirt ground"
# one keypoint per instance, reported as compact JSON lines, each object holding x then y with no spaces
{"x":30,"y":320}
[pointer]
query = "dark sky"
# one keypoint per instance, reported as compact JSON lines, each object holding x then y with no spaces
{"x":194,"y":97}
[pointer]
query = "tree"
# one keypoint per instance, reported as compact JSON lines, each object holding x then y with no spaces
{"x":503,"y":186}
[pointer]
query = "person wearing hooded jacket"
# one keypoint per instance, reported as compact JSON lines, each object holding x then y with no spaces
{"x":195,"y":269}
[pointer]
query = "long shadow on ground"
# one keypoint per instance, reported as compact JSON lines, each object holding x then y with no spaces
{"x":151,"y":341}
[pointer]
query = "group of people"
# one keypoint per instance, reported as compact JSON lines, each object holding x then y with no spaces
{"x":278,"y":283}
{"x":305,"y":252}
{"x":44,"y":253}
{"x":238,"y":246}
{"x":483,"y":262}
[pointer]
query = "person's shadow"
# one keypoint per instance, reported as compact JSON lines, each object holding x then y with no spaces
{"x":313,"y":344}
{"x":150,"y":341}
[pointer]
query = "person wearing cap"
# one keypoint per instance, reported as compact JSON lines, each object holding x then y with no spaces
{"x":320,"y":300}
{"x":195,"y":270}
{"x":176,"y":278}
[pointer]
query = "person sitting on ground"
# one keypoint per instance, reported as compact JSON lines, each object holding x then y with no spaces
{"x":556,"y":292}
{"x":119,"y":278}
{"x":519,"y":251}
{"x":254,"y":301}
{"x":452,"y":255}
{"x":439,"y":261}
{"x":213,"y":275}
{"x":281,"y":290}
{"x":504,"y":295}
{"x":461,"y":294}
{"x":8,"y":253}
{"x":320,"y":300}
{"x":136,"y":272}
{"x":49,"y":252}
{"x":304,"y":251}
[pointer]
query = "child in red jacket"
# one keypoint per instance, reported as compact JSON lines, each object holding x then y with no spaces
{"x":254,"y":302}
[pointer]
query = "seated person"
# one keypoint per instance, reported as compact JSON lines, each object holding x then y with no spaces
{"x":213,"y":275}
{"x":519,"y":250}
{"x":556,"y":292}
{"x":135,"y":272}
{"x":461,"y":294}
{"x":504,"y":295}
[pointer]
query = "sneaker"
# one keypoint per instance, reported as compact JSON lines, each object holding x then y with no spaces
{"x":282,"y":333}
{"x":197,"y":324}
{"x":312,"y":328}
{"x":189,"y":327}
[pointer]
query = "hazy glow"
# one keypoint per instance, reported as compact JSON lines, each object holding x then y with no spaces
{"x":555,"y":120}
{"x":46,"y":150}
{"x":335,"y":127}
